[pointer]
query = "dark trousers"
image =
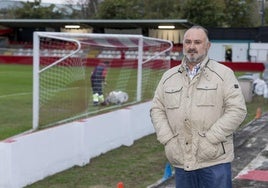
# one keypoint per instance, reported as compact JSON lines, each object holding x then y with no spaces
{"x":218,"y":176}
{"x":96,"y":85}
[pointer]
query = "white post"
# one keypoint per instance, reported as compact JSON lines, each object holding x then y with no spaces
{"x":139,"y":73}
{"x":36,"y":59}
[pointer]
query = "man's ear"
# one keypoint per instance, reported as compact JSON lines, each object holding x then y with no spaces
{"x":208,"y":45}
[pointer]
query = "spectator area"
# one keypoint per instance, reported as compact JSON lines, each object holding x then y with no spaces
{"x":23,"y":53}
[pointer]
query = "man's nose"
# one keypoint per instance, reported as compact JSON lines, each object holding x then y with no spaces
{"x":192,"y":45}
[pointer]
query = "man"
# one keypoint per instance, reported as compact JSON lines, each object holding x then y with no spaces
{"x":98,"y":77}
{"x":196,"y":109}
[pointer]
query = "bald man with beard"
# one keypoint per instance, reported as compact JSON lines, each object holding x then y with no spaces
{"x":197,"y":107}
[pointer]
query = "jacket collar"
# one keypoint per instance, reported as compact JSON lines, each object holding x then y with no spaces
{"x":182,"y":67}
{"x":203,"y":70}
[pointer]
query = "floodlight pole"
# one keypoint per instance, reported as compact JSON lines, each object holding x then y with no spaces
{"x":262,"y":13}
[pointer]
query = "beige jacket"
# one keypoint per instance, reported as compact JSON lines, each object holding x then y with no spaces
{"x":195,"y":119}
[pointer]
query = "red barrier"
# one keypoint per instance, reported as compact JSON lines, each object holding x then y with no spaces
{"x":6,"y":59}
{"x":245,"y":66}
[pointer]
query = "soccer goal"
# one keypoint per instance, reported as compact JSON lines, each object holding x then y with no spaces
{"x":63,"y":63}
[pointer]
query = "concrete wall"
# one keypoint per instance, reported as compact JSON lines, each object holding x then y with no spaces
{"x":30,"y":157}
{"x":239,"y":51}
{"x":259,"y":52}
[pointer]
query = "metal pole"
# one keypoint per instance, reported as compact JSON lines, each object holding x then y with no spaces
{"x":263,"y":13}
{"x":36,"y":58}
{"x":139,"y":73}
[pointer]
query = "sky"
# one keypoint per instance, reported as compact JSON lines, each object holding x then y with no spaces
{"x":53,"y":1}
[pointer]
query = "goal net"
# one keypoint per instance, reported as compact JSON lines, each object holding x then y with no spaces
{"x":64,"y":62}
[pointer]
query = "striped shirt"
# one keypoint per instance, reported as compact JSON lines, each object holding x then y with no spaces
{"x":194,"y":71}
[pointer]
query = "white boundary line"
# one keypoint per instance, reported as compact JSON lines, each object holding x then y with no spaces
{"x":254,"y":164}
{"x":15,"y":94}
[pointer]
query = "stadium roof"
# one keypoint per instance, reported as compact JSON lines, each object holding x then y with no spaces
{"x":97,"y":23}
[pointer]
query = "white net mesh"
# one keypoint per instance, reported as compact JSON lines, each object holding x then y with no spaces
{"x":66,"y":61}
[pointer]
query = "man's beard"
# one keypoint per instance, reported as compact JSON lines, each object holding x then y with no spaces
{"x":193,"y":59}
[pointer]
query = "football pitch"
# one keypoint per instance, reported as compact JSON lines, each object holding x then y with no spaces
{"x":16,"y":94}
{"x":15,"y":99}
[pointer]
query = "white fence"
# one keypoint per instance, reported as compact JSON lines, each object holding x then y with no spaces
{"x":31,"y":157}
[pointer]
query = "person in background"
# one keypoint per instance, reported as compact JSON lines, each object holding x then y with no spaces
{"x":98,"y":79}
{"x":196,"y":108}
{"x":228,"y":55}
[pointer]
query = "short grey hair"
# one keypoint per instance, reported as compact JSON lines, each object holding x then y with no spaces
{"x":200,"y":27}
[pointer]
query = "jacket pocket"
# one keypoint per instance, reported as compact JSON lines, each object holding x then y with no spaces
{"x":206,"y":94}
{"x":174,"y":152}
{"x":173,"y":97}
{"x":208,"y":151}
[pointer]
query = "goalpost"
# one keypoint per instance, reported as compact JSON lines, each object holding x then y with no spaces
{"x":63,"y":63}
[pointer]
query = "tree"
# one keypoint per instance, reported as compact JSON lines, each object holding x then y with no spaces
{"x":161,"y":9}
{"x":34,"y":10}
{"x":139,"y":9}
{"x":207,"y":13}
{"x":238,"y":13}
{"x":83,"y":9}
{"x":117,"y":9}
